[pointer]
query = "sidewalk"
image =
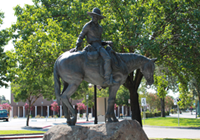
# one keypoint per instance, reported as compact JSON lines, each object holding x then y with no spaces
{"x":36,"y":124}
{"x":46,"y":124}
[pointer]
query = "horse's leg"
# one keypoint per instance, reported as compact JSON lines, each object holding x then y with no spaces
{"x":65,"y":109}
{"x":111,"y":101}
{"x":66,"y":113}
{"x":65,"y":99}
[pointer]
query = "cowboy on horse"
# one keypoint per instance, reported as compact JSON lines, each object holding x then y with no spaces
{"x":93,"y":31}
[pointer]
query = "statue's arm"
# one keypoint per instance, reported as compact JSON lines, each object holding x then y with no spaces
{"x":82,"y":36}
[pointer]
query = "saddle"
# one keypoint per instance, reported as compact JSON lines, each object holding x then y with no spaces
{"x":93,"y":58}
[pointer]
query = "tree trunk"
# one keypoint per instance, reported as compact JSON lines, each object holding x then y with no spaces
{"x":27,"y":120}
{"x":162,"y":100}
{"x":198,"y":107}
{"x":132,"y":86}
{"x":135,"y":107}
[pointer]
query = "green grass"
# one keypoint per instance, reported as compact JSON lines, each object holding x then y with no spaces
{"x":11,"y":132}
{"x":160,"y":121}
{"x":172,"y":139}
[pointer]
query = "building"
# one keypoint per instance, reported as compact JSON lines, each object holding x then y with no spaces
{"x":42,"y":107}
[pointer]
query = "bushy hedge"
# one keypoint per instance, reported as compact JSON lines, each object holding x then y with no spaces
{"x":154,"y":114}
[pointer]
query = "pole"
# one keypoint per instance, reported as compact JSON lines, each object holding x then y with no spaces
{"x":87,"y":108}
{"x":144,"y":114}
{"x":178,"y":114}
{"x":196,"y":108}
{"x":95,"y":104}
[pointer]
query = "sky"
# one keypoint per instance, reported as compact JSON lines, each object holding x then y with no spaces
{"x":7,"y":6}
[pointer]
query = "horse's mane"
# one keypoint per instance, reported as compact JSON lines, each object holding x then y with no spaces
{"x":127,"y":57}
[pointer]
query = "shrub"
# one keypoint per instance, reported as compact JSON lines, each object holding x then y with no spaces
{"x":81,"y":106}
{"x":55,"y":107}
{"x":172,"y":111}
{"x":30,"y":116}
{"x":42,"y":117}
{"x":38,"y":116}
{"x":15,"y":117}
{"x":63,"y":117}
{"x":167,"y":113}
{"x":159,"y":114}
{"x":50,"y":117}
{"x":151,"y":114}
{"x":55,"y":116}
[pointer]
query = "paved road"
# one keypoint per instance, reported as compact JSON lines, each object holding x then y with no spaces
{"x":184,"y":115}
{"x":171,"y":133}
{"x":152,"y":132}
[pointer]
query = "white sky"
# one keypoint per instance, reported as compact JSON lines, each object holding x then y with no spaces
{"x":7,"y":6}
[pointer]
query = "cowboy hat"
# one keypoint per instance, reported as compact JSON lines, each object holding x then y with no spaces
{"x":96,"y":11}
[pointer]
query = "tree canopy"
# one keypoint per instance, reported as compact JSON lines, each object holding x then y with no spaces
{"x":168,"y":30}
{"x":6,"y":63}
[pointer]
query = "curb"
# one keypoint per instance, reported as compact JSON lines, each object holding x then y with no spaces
{"x":30,"y":127}
{"x":32,"y":134}
{"x":21,"y":137}
{"x":172,"y":127}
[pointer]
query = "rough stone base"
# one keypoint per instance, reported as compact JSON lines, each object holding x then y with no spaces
{"x":124,"y":130}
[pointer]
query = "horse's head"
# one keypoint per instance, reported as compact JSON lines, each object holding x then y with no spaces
{"x":148,"y":70}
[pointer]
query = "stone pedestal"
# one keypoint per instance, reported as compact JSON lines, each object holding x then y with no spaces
{"x":124,"y":130}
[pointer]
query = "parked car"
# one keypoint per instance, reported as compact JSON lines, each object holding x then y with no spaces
{"x":4,"y":115}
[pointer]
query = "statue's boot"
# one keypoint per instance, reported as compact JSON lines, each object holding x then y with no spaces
{"x":107,"y":67}
{"x":108,"y":76}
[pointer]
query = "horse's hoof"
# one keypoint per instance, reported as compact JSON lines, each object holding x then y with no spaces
{"x":115,"y":120}
{"x":70,"y":123}
{"x":110,"y":120}
{"x":73,"y":120}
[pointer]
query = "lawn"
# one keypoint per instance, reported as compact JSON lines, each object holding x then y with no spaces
{"x":172,"y":139}
{"x":12,"y":132}
{"x":173,"y":122}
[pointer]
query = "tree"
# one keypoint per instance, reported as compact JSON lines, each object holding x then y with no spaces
{"x":55,"y":107}
{"x":81,"y":106}
{"x":122,"y":96}
{"x":152,"y":28}
{"x":3,"y":99}
{"x":5,"y":62}
{"x":195,"y":88}
{"x":152,"y":101}
{"x":162,"y":87}
{"x":6,"y":106}
{"x":185,"y":96}
{"x":27,"y":107}
{"x":28,"y":87}
{"x":90,"y":100}
{"x":169,"y":102}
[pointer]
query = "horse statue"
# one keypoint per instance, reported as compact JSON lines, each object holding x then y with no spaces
{"x":73,"y":68}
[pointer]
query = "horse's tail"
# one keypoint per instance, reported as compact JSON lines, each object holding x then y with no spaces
{"x":56,"y":83}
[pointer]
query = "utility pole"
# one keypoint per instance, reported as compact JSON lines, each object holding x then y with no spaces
{"x":95,"y":104}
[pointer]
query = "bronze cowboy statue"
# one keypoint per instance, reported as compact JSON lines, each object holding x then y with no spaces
{"x":93,"y":31}
{"x":93,"y":65}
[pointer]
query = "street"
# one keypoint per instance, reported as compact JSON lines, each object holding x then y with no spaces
{"x":151,"y":131}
